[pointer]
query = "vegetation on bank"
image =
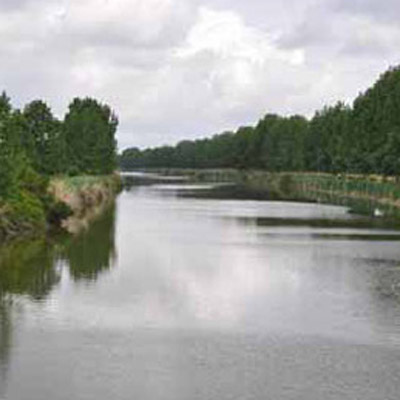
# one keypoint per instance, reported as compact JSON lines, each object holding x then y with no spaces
{"x":35,"y":147}
{"x":360,"y":139}
{"x":364,"y":194}
{"x":373,"y":195}
{"x":86,"y":196}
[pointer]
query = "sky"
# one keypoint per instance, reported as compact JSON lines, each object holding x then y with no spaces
{"x":183,"y":69}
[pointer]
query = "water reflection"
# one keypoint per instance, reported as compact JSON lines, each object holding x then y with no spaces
{"x":209,"y":298}
{"x":5,"y":339}
{"x":260,"y":266}
{"x":387,"y":275}
{"x":28,"y":268}
{"x":93,"y":251}
{"x":31,"y":270}
{"x":135,"y":179}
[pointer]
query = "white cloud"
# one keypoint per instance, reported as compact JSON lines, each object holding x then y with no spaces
{"x":223,"y":67}
{"x":183,"y":68}
{"x":241,"y":50}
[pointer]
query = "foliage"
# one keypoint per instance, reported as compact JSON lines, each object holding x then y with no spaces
{"x":35,"y":145}
{"x":362,"y":138}
{"x":27,"y":209}
{"x":89,"y":130}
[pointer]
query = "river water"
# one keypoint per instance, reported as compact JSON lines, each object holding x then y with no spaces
{"x":170,"y":295}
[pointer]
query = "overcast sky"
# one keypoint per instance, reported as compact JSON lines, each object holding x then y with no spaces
{"x":175,"y":69}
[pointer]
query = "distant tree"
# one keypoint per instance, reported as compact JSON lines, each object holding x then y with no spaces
{"x":5,"y":106}
{"x":389,"y":155}
{"x":328,"y":142}
{"x":241,"y":147}
{"x":376,"y":116}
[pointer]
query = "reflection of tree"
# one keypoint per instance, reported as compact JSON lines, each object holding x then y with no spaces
{"x":93,"y":251}
{"x":28,"y":269}
{"x":5,"y":337}
{"x":134,"y":182}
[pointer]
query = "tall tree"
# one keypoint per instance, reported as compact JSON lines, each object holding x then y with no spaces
{"x":89,"y":129}
{"x":44,"y":134}
{"x":7,"y":170}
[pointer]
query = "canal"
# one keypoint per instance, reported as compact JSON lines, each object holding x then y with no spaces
{"x":175,"y":293}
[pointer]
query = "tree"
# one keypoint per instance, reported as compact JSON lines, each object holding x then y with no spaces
{"x":7,"y":175}
{"x":44,"y":137}
{"x":89,"y":129}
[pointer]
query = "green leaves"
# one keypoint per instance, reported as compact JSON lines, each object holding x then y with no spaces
{"x":364,"y":138}
{"x":35,"y":145}
{"x":89,"y":128}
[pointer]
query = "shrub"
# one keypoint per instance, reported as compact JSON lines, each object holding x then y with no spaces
{"x":28,"y":208}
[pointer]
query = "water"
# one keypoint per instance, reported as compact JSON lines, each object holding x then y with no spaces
{"x":174,"y":296}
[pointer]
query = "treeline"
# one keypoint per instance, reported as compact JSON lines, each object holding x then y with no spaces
{"x":362,"y":138}
{"x":33,"y":138}
{"x":35,"y":145}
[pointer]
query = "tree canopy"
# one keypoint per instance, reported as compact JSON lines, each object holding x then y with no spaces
{"x":361,"y":138}
{"x":33,"y":139}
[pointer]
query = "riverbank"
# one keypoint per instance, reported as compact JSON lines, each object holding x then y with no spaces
{"x":86,"y":196}
{"x":366,"y":194}
{"x":68,"y":203}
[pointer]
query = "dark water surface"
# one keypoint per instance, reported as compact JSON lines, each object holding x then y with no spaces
{"x":169,"y":296}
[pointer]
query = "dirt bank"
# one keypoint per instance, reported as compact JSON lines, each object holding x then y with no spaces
{"x":87,"y":196}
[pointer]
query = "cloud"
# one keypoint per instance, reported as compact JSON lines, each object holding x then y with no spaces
{"x":384,"y":11}
{"x":186,"y":68}
{"x":63,"y":49}
{"x":216,"y":76}
{"x":345,"y":47}
{"x":12,"y":5}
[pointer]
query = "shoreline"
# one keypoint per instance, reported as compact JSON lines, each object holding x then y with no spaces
{"x":372,"y":195}
{"x":75,"y":202}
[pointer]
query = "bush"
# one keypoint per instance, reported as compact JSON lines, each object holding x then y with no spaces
{"x":33,"y":182}
{"x":28,"y":208}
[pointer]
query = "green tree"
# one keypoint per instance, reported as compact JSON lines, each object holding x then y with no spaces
{"x":8,"y":176}
{"x":45,"y":138}
{"x":89,"y":129}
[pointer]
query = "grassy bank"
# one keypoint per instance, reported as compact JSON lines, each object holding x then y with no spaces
{"x":54,"y":204}
{"x":86,"y":196}
{"x":365,"y":194}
